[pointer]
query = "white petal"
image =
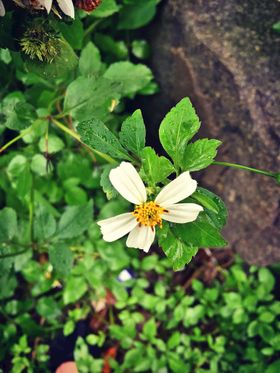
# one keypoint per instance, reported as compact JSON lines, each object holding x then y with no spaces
{"x":114,"y":228}
{"x":126,"y":180}
{"x":141,"y":238}
{"x":67,"y":7}
{"x":47,"y":4}
{"x":182,"y":213}
{"x":177,"y":190}
{"x":2,"y":9}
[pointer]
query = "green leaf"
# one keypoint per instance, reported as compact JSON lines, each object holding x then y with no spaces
{"x":214,"y":207}
{"x":115,"y":48}
{"x":48,"y":308}
{"x":53,"y":145}
{"x":73,"y":33}
{"x":105,"y":183}
{"x":177,"y":128}
{"x":199,"y":155}
{"x":96,"y":135}
{"x":75,"y":220}
{"x":106,"y":9}
{"x":140,"y":49}
{"x":44,"y":223}
{"x":39,"y":165}
{"x":75,"y":288}
{"x":273,"y":367}
{"x":177,"y":251}
{"x":90,"y":97}
{"x":8,"y":224}
{"x":200,"y":233}
{"x":90,"y":60}
{"x":276,"y":27}
{"x":266,"y":278}
{"x":7,"y":108}
{"x":65,"y":62}
{"x":154,"y":168}
{"x":150,"y":329}
{"x":61,"y":258}
{"x":20,"y":176}
{"x":133,"y":133}
{"x":131,"y":77}
{"x":137,"y":14}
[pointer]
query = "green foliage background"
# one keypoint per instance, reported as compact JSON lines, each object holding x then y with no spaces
{"x":54,"y":264}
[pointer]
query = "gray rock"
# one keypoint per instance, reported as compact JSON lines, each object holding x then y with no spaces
{"x":224,"y":55}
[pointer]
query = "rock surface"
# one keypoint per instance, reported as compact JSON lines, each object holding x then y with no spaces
{"x":224,"y":55}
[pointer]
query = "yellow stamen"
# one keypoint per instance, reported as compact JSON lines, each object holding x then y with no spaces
{"x":149,"y":214}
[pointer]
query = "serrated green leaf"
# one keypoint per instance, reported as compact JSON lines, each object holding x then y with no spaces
{"x":133,"y":133}
{"x":75,"y":220}
{"x":213,"y":205}
{"x":154,"y":168}
{"x":177,"y":128}
{"x":199,"y":155}
{"x":177,"y":251}
{"x":96,"y":135}
{"x":8,"y":224}
{"x":131,"y":77}
{"x":200,"y":233}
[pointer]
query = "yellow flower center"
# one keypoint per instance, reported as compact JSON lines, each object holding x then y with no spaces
{"x":149,"y":214}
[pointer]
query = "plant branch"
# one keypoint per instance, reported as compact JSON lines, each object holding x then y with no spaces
{"x":246,"y":168}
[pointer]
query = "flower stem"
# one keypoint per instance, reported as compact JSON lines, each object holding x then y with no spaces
{"x":246,"y":168}
{"x":15,"y":139}
{"x":77,"y":137}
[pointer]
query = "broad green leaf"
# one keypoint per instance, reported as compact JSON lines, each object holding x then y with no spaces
{"x":200,"y":233}
{"x":106,"y":9}
{"x":90,"y":97}
{"x":75,"y":288}
{"x":213,"y":205}
{"x":73,"y":33}
{"x":8,"y":224}
{"x":75,"y":196}
{"x":20,"y":176}
{"x":275,"y":366}
{"x":137,"y":14}
{"x":131,"y":77}
{"x":75,"y":220}
{"x":61,"y":257}
{"x":53,"y":145}
{"x":105,"y":183}
{"x":154,"y":168}
{"x":150,"y":329}
{"x":44,"y":223}
{"x":177,"y":128}
{"x":39,"y":165}
{"x":90,"y":60}
{"x":48,"y":308}
{"x":199,"y":155}
{"x":177,"y":251}
{"x":133,"y":133}
{"x":62,"y":64}
{"x":97,"y":136}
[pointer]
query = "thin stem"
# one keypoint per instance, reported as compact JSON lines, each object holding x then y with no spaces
{"x":246,"y":168}
{"x":91,"y":27}
{"x":77,"y":137}
{"x":15,"y":139}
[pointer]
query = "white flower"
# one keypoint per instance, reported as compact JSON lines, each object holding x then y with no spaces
{"x":66,"y":6}
{"x":141,"y":223}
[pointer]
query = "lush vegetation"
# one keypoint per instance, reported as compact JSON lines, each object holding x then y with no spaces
{"x":67,"y":87}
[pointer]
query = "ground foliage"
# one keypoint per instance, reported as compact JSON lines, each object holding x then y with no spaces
{"x":56,"y":270}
